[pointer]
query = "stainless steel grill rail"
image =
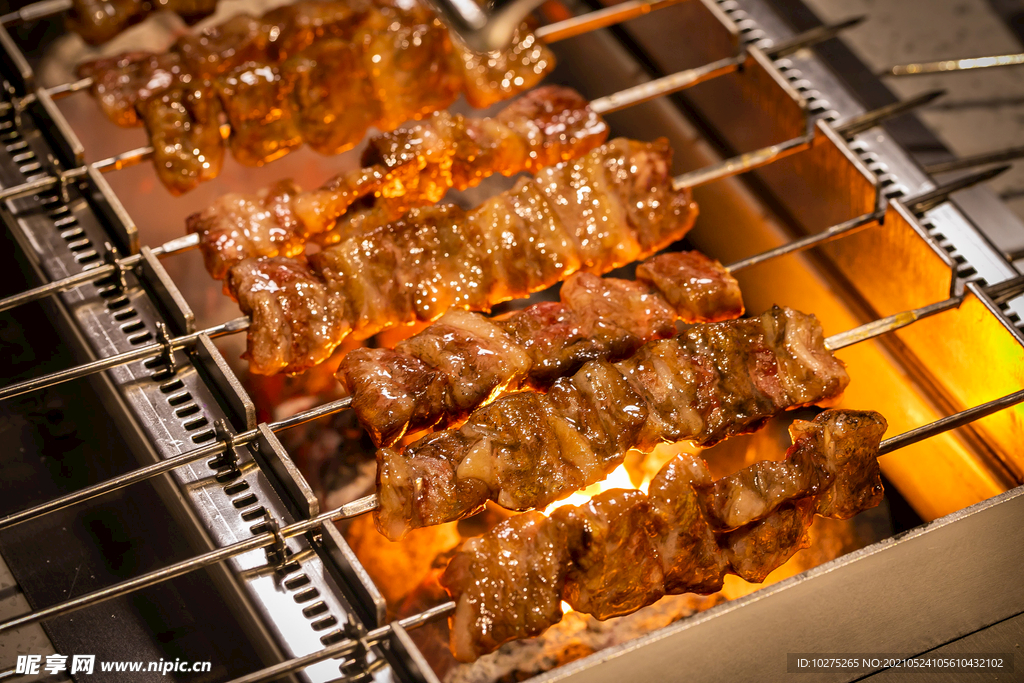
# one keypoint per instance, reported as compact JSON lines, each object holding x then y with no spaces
{"x":167,"y":411}
{"x":176,"y":403}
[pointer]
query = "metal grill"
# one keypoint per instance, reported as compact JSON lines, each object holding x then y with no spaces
{"x":287,"y":573}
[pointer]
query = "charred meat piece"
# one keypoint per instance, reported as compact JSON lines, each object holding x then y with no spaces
{"x":690,"y":557}
{"x":239,"y":226}
{"x":714,"y":381}
{"x":290,"y":307}
{"x":257,"y":100}
{"x":623,"y":550}
{"x":515,"y":598}
{"x":184,"y":126}
{"x":542,"y":128}
{"x":432,"y":259}
{"x":332,"y":95}
{"x":97,"y":21}
{"x":828,"y":459}
{"x":617,"y":524}
{"x":598,"y":318}
{"x":121,"y":83}
{"x":491,"y":77}
{"x":708,"y":294}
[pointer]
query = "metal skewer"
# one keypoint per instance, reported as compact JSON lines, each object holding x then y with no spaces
{"x":370,"y":503}
{"x":114,"y":163}
{"x":610,"y":103}
{"x":344,"y":647}
{"x":948,"y":65}
{"x":99,"y":272}
{"x":690,"y":77}
{"x":597,"y":19}
{"x":174,"y":462}
{"x":917,"y":204}
{"x":1010,"y":154}
{"x":766,"y":155}
{"x":164,"y":347}
{"x":35,"y":11}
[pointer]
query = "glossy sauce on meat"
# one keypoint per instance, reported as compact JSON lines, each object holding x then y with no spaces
{"x":431,"y":259}
{"x":703,"y":386}
{"x":598,"y":318}
{"x":624,"y":550}
{"x":409,"y":167}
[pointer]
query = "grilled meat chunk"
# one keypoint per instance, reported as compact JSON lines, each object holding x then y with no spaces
{"x":433,"y":259}
{"x":623,"y":550}
{"x":714,"y":381}
{"x":597,"y":318}
{"x":617,"y":524}
{"x":690,"y":557}
{"x":184,"y":127}
{"x":511,"y":599}
{"x":828,"y":459}
{"x":238,"y":226}
{"x":287,"y":305}
{"x":97,"y":21}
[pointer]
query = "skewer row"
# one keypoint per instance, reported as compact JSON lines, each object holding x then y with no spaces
{"x":369,"y":503}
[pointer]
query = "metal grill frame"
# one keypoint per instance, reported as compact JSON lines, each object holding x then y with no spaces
{"x":883,"y":171}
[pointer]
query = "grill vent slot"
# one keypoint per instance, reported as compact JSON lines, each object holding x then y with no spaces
{"x":964,"y":270}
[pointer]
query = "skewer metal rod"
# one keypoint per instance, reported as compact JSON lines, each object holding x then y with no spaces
{"x":951,"y":422}
{"x":35,"y":11}
{"x":597,"y":19}
{"x":918,"y":204}
{"x":664,"y":86}
{"x":206,"y":559}
{"x":56,"y":92}
{"x":929,"y":200}
{"x":870,"y":119}
{"x":766,"y":155}
{"x":98,"y":273}
{"x":741,"y":163}
{"x":1010,"y":154}
{"x":345,"y":647}
{"x":1001,"y":292}
{"x":823,"y":237}
{"x":180,"y":460}
{"x":114,"y":163}
{"x":141,"y":353}
{"x":947,"y":65}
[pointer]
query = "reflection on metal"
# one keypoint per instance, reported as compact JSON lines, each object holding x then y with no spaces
{"x":947,"y":65}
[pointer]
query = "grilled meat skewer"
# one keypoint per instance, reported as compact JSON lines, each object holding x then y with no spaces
{"x":411,"y":166}
{"x":528,"y":449}
{"x":97,"y":21}
{"x":440,"y":375}
{"x":624,"y":550}
{"x":611,"y":207}
{"x":317,"y":71}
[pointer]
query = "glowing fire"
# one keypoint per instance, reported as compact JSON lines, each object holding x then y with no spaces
{"x":618,"y":479}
